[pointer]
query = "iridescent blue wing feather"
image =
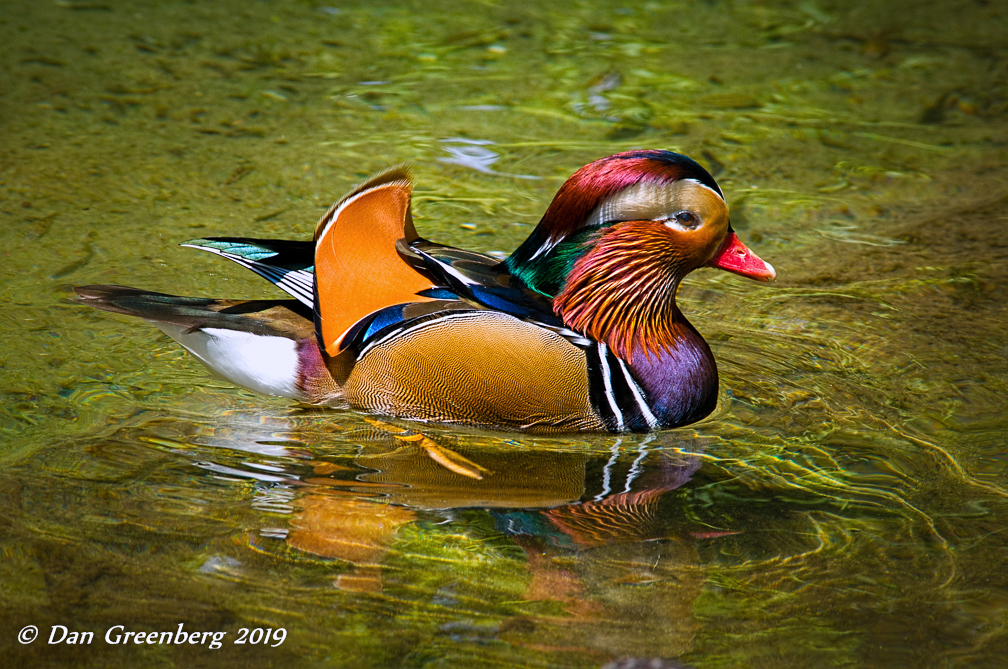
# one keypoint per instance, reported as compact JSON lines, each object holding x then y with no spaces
{"x":481,"y":279}
{"x":289,"y":265}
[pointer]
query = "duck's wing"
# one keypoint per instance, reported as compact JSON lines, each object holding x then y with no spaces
{"x":358,"y":272}
{"x":289,"y":265}
{"x":479,"y":278}
{"x":367,"y":263}
{"x":264,"y":345}
{"x":355,"y":240}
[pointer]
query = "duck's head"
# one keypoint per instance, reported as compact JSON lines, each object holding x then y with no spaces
{"x":618,"y":238}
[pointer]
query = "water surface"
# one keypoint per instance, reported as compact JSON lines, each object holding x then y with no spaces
{"x":844,"y":505}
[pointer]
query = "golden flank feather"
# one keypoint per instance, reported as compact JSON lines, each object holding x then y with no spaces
{"x":481,"y":368}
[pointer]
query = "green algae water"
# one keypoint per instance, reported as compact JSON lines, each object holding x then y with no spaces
{"x":845,"y":505}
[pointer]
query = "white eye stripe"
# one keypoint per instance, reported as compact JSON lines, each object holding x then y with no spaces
{"x":673,"y":224}
{"x":655,"y":202}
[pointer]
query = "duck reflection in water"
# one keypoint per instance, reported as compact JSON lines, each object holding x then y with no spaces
{"x":599,"y":543}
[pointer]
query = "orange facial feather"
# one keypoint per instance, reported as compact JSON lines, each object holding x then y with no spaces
{"x":622,"y":291}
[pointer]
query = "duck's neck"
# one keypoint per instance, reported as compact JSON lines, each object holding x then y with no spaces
{"x":622,"y":290}
{"x":622,"y":293}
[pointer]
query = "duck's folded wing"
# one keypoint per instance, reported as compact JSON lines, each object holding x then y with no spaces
{"x":479,"y":278}
{"x":289,"y":265}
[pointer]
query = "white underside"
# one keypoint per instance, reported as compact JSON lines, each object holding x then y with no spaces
{"x":267,"y":365}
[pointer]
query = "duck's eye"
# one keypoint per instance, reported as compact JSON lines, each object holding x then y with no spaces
{"x":687,"y":219}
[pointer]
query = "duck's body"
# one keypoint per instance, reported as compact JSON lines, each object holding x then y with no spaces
{"x":577,"y":330}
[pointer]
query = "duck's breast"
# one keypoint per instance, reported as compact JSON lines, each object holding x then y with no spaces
{"x":681,"y":384}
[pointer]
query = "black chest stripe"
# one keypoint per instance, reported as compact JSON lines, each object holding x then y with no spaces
{"x":614,"y":393}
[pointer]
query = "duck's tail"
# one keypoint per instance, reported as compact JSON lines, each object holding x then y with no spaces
{"x":264,"y":345}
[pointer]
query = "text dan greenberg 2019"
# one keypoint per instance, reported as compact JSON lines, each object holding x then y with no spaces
{"x":118,"y":635}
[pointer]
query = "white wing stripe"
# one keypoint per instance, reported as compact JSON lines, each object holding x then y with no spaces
{"x":299,"y":283}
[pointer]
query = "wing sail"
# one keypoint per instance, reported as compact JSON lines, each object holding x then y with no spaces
{"x":357,"y":267}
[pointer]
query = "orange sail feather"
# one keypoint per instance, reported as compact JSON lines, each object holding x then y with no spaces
{"x":357,"y":268}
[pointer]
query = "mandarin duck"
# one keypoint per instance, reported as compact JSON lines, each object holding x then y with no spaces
{"x":578,"y":329}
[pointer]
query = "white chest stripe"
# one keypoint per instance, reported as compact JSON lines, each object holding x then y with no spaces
{"x":607,"y":380}
{"x":639,"y":397}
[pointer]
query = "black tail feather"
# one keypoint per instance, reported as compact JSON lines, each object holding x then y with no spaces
{"x":266,"y":317}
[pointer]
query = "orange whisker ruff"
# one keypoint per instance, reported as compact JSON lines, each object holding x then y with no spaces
{"x":622,"y":292}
